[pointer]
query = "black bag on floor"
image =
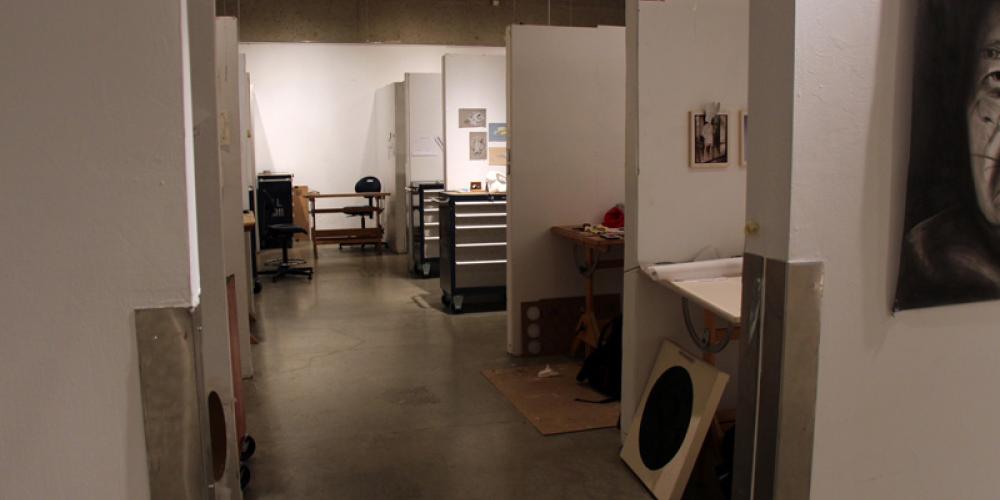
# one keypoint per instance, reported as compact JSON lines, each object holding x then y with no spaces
{"x":602,"y":370}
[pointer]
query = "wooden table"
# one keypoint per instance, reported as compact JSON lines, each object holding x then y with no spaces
{"x":249,"y":221}
{"x":249,"y":224}
{"x":588,"y":328}
{"x":357,"y":236}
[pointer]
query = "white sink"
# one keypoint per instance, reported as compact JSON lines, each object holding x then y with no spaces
{"x":716,"y":285}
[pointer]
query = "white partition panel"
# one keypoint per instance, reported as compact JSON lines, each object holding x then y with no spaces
{"x":97,"y":134}
{"x":424,"y":133}
{"x":904,"y":402}
{"x":567,"y":126}
{"x":228,"y":76}
{"x":470,"y":82}
{"x":684,"y":55}
{"x":399,"y":205}
{"x":384,"y":141}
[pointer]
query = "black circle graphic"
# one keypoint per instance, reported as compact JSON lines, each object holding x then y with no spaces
{"x":666,"y":418}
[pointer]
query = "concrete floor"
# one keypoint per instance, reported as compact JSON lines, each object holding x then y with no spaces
{"x":360,"y":392}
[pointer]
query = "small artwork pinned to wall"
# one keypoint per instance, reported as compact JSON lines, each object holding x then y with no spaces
{"x":498,"y":132}
{"x":744,"y":129}
{"x":471,"y":117}
{"x":477,"y":146}
{"x":498,"y":157}
{"x":709,"y":140}
{"x":476,"y":186}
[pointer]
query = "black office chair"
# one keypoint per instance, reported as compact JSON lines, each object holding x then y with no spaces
{"x":367,"y":184}
{"x":285,"y":266}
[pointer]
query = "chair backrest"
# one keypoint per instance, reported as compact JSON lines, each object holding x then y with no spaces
{"x":368,"y":185}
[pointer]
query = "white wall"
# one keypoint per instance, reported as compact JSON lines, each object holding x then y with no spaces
{"x":470,"y":81}
{"x":93,"y":137}
{"x":688,"y":53}
{"x":315,"y":107}
{"x":905,"y":407}
{"x":567,"y":119}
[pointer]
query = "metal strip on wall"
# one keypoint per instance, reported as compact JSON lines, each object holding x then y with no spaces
{"x":746,"y":410}
{"x":769,"y":393}
{"x":800,"y":362}
{"x":171,"y":403}
{"x":778,"y":372}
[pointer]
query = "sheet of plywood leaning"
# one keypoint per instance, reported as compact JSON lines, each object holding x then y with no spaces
{"x":676,"y":410}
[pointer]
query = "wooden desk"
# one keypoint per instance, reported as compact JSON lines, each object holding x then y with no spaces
{"x":588,"y":328}
{"x":358,"y":236}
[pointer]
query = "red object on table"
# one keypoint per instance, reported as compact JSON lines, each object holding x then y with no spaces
{"x":614,"y":218}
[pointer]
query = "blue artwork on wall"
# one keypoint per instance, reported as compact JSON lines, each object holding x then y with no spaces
{"x":498,"y":132}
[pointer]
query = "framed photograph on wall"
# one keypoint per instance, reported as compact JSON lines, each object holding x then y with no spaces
{"x":709,"y":140}
{"x":744,"y":128}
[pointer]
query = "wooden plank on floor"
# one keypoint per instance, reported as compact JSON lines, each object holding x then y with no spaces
{"x":550,"y":403}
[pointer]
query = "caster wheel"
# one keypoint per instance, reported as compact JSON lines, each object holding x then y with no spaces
{"x":257,"y":287}
{"x":247,"y":447}
{"x":244,"y":477}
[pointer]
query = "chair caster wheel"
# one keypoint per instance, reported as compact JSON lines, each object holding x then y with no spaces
{"x":247,"y":448}
{"x":257,"y":287}
{"x":244,"y":477}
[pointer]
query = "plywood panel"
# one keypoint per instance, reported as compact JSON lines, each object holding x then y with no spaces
{"x":550,"y":404}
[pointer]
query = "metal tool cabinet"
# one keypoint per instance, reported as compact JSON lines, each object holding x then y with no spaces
{"x":473,"y":248}
{"x":423,"y":227}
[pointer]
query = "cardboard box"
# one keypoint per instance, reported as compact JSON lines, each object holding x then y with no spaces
{"x":300,"y":211}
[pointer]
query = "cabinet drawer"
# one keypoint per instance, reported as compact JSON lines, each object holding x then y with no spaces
{"x":480,"y":275}
{"x":480,"y":251}
{"x":483,"y":219}
{"x":480,"y":207}
{"x":481,"y":234}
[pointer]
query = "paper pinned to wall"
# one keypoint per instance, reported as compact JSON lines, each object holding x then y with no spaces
{"x":424,"y":146}
{"x":477,"y":146}
{"x":498,"y":156}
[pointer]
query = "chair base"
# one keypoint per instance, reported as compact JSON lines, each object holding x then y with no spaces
{"x":285,"y":265}
{"x":289,"y":262}
{"x":284,"y":269}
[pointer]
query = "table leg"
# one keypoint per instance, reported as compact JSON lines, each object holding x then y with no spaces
{"x":312,"y":230}
{"x":588,"y":331}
